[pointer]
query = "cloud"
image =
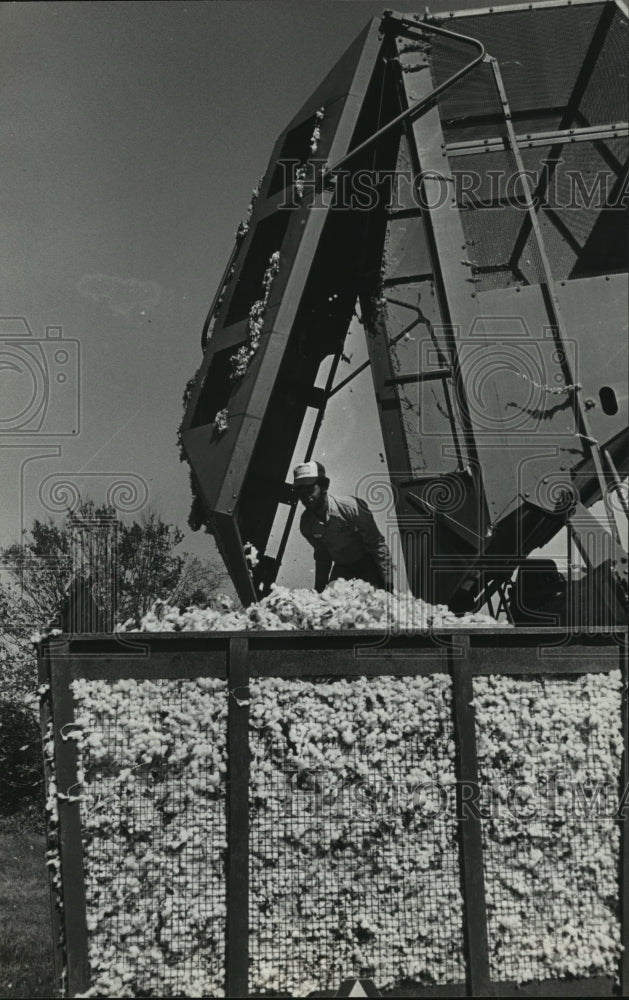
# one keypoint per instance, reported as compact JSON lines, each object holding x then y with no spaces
{"x":123,"y":295}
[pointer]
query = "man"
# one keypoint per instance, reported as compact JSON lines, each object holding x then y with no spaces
{"x":342,"y":532}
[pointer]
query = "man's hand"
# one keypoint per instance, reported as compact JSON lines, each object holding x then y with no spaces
{"x":323,"y":565}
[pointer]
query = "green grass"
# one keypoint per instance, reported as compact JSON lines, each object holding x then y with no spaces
{"x":26,"y":965}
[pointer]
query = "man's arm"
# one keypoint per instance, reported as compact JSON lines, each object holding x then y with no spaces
{"x":323,"y":561}
{"x":323,"y":565}
{"x":374,"y":543}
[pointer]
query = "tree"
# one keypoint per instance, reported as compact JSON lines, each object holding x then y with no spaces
{"x":128,"y":565}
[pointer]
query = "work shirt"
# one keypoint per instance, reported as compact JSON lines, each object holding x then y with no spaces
{"x":347,"y":535}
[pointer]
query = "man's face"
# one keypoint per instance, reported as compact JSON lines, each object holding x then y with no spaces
{"x":311,"y":496}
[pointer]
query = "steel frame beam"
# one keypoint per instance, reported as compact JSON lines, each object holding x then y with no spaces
{"x":593,"y":133}
{"x":409,"y":114}
{"x":458,"y":301}
{"x":237,"y":795}
{"x":539,"y":5}
{"x":471,"y":842}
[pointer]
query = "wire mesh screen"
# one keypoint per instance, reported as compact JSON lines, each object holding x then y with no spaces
{"x":354,"y":858}
{"x":151,"y":779}
{"x":606,"y":94}
{"x":562,"y":68}
{"x":472,"y":102}
{"x":550,"y":753}
{"x":542,"y":53}
{"x":575,"y":188}
{"x":495,"y":221}
{"x":578,"y":187}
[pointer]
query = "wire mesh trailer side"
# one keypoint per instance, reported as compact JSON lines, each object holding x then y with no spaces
{"x":315,"y":806}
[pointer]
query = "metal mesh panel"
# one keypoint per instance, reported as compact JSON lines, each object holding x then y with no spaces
{"x":606,"y":98}
{"x":549,"y":754}
{"x":354,"y":865}
{"x":540,"y":52}
{"x":561,"y":67}
{"x":471,"y":102}
{"x":151,"y":768}
{"x":571,"y":185}
{"x":578,"y":180}
{"x":493,"y":221}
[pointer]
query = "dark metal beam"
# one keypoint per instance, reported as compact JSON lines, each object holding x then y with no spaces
{"x":410,"y":114}
{"x":70,"y":831}
{"x":471,"y":834}
{"x":419,"y":377}
{"x":237,"y":888}
{"x":624,"y":827}
{"x":539,"y":5}
{"x":46,"y":722}
{"x":615,"y":130}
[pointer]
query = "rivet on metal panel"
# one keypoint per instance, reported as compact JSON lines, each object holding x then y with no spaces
{"x":234,"y":495}
{"x":527,"y":494}
{"x":229,"y":510}
{"x":544,"y":480}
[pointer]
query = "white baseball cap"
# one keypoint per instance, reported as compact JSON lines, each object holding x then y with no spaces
{"x":308,"y":473}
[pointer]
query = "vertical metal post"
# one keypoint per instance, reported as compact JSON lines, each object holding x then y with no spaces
{"x":45,"y":718}
{"x":468,"y":811}
{"x":70,"y":839}
{"x":624,"y":824}
{"x":237,"y":944}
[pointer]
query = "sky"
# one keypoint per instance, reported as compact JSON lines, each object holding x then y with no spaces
{"x":132,"y":134}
